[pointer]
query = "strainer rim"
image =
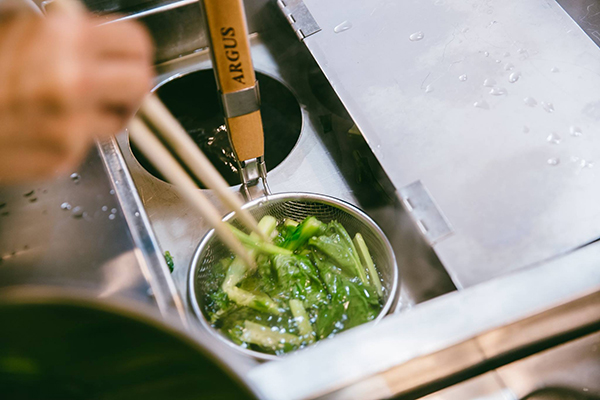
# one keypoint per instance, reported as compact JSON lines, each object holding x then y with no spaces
{"x":345,"y":206}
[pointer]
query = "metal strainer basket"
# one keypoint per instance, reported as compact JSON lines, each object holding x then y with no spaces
{"x":295,"y":206}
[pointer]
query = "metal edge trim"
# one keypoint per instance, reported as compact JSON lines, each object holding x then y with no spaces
{"x":147,"y":249}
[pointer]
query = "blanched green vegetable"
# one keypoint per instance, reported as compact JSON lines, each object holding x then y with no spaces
{"x":302,"y":319}
{"x":308,"y":228}
{"x":266,"y":337}
{"x":367,"y":262}
{"x":310,"y":283}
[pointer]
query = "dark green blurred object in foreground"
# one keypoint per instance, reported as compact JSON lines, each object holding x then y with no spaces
{"x":56,"y":349}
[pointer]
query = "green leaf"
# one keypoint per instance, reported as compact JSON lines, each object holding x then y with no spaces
{"x":308,"y":228}
{"x":169,"y":260}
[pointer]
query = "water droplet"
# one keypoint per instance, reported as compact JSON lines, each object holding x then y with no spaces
{"x":548,"y":107}
{"x":113,"y":211}
{"x":77,"y":212}
{"x":509,"y":67}
{"x":554,"y":70}
{"x":428,"y":89}
{"x":497,"y":61}
{"x":104,"y":208}
{"x":65,"y":206}
{"x":486,"y":53}
{"x":482,"y":104}
{"x":554,"y":138}
{"x":526,"y":129}
{"x":523,"y":53}
{"x":416,"y":36}
{"x":137,"y":214}
{"x":553,"y":161}
{"x":344,"y":26}
{"x":586,"y":164}
{"x":111,"y":216}
{"x":75,"y":177}
{"x":463,"y":78}
{"x":112,"y":191}
{"x":575,"y":131}
{"x":514,"y":77}
{"x":489,"y":82}
{"x":507,"y":54}
{"x":530,"y":101}
{"x":498,"y":91}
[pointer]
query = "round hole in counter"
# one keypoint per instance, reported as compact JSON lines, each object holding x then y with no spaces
{"x":194,"y":101}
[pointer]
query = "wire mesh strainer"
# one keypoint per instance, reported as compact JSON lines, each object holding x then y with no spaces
{"x":295,"y":206}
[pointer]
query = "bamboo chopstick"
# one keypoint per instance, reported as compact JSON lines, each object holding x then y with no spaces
{"x":170,"y":168}
{"x":157,"y":114}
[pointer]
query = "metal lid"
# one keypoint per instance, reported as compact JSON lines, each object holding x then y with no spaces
{"x":492,"y":106}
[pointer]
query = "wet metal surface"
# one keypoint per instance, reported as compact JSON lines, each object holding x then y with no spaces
{"x":487,"y":103}
{"x":69,"y":232}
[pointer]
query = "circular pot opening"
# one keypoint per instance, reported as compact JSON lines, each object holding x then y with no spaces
{"x":194,"y":101}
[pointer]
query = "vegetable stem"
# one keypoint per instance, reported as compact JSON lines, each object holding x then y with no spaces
{"x":258,"y":244}
{"x":265,"y":337}
{"x":367,"y":263}
{"x":302,"y":320}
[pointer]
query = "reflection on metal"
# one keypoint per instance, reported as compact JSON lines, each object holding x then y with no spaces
{"x":571,"y":369}
{"x":299,"y":17}
{"x":485,"y":387}
{"x":425,"y":212}
{"x":69,"y":232}
{"x":152,"y":11}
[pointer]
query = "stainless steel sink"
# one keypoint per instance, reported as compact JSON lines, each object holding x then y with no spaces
{"x":329,"y":158}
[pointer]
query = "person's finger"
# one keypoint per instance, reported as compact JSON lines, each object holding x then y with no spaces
{"x":117,"y":89}
{"x":120,"y":83}
{"x":50,"y":67}
{"x":12,"y":41}
{"x":122,"y":39}
{"x":26,"y":163}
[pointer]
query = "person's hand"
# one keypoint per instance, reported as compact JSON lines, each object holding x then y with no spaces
{"x":64,"y":80}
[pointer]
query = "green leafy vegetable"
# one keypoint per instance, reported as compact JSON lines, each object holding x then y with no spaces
{"x":367,"y":262}
{"x":310,"y":283}
{"x":302,"y":319}
{"x":266,"y":337}
{"x":308,"y":228}
{"x":169,"y":260}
